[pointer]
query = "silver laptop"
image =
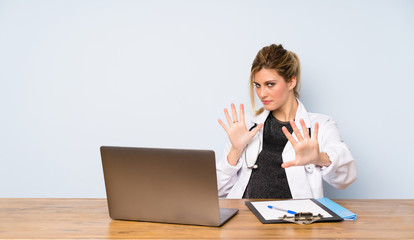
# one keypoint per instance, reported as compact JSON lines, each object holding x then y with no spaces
{"x":163,"y":185}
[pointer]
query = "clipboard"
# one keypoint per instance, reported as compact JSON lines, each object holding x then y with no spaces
{"x":299,"y":205}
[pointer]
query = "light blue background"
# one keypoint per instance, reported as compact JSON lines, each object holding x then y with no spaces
{"x":75,"y":75}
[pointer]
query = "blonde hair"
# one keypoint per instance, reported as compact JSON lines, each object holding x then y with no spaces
{"x":284,"y":62}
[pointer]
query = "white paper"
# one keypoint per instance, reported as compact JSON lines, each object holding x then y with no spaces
{"x":302,"y":205}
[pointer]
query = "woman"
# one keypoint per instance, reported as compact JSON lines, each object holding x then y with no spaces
{"x":271,"y":157}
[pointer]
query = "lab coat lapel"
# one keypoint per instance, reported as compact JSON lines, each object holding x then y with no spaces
{"x":301,"y":113}
{"x":255,"y":146}
{"x":296,"y":176}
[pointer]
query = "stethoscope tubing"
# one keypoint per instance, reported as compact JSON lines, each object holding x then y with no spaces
{"x":255,"y":166}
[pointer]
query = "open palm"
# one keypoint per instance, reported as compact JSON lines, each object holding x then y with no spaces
{"x":236,"y":130}
{"x":306,"y":148}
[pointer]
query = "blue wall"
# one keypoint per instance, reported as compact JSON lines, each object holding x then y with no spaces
{"x":76,"y":75}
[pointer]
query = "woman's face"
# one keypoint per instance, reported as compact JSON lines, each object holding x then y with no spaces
{"x":272,"y":89}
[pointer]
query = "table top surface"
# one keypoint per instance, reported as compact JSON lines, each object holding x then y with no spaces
{"x":32,"y":218}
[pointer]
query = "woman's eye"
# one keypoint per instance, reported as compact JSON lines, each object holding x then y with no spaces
{"x":256,"y":85}
{"x":270,"y":84}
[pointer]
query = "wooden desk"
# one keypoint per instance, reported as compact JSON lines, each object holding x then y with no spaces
{"x":88,"y":219}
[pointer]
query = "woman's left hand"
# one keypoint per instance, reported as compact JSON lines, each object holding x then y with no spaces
{"x":306,"y":148}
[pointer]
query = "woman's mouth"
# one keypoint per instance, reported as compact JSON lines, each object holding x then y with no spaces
{"x":265,"y":102}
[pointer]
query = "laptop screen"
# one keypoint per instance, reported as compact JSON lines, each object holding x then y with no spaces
{"x":161,"y":185}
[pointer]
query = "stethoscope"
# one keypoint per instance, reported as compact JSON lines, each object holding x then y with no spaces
{"x":255,"y":166}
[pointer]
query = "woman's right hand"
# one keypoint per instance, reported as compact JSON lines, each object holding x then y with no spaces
{"x":238,"y":133}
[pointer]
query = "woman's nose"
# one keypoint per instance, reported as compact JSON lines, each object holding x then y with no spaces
{"x":262,"y":92}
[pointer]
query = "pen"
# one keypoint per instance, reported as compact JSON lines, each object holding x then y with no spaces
{"x":281,"y":209}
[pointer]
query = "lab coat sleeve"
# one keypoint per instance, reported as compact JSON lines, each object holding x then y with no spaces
{"x":342,"y":171}
{"x":227,"y":175}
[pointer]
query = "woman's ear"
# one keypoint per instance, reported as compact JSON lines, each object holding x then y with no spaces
{"x":292,"y":83}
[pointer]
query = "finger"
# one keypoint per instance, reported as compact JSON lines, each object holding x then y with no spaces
{"x":296,"y":131}
{"x":241,"y":113}
{"x":315,"y":131}
{"x":229,"y":121}
{"x":223,"y":125}
{"x":289,"y":136}
{"x":304,"y":128}
{"x":289,"y":164}
{"x":234,"y":113}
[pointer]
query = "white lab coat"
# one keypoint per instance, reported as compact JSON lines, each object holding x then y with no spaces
{"x":304,"y":181}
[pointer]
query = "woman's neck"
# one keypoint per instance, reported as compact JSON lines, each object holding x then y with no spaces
{"x":287,"y":112}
